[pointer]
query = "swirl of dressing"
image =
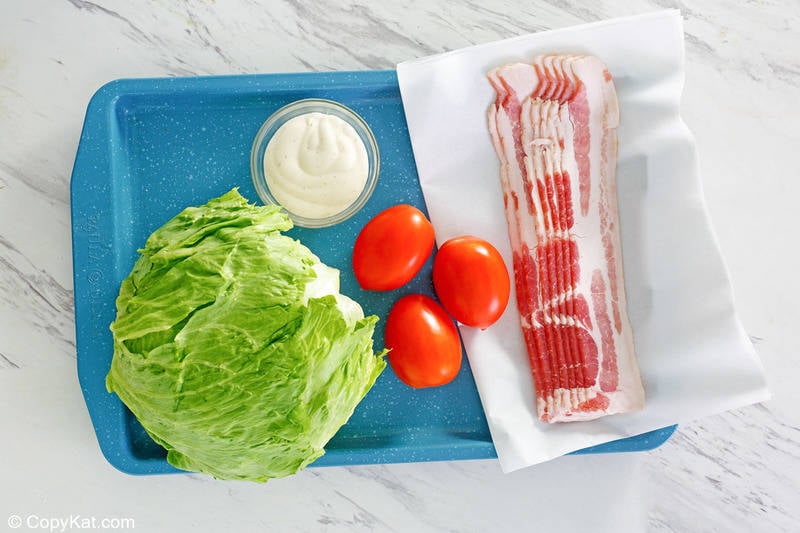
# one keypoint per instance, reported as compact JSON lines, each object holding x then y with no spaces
{"x":316,"y":165}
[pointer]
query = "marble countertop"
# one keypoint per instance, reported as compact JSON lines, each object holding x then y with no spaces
{"x":737,"y":471}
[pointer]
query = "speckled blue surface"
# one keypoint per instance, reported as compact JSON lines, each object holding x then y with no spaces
{"x":151,"y":147}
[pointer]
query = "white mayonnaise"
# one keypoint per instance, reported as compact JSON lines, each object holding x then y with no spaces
{"x":316,"y":165}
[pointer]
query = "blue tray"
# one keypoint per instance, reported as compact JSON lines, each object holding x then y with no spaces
{"x":151,"y":147}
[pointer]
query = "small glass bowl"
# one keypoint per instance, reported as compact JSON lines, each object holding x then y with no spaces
{"x":301,"y":107}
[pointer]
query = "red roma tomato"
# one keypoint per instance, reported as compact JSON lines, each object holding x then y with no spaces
{"x":391,"y":248}
{"x":471,"y":281}
{"x":424,"y":342}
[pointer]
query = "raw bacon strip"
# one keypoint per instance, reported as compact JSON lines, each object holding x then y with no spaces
{"x":575,"y":315}
{"x":548,"y":148}
{"x":504,"y":129}
{"x":566,"y":300}
{"x":541,"y":143}
{"x":545,"y":255}
{"x":553,"y":128}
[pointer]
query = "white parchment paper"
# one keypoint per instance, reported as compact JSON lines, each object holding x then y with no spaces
{"x":694,"y":355}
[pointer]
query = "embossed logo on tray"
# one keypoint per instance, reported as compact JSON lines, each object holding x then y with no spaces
{"x":95,"y":252}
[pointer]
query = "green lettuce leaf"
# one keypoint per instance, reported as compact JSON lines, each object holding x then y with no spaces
{"x":233,"y":346}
